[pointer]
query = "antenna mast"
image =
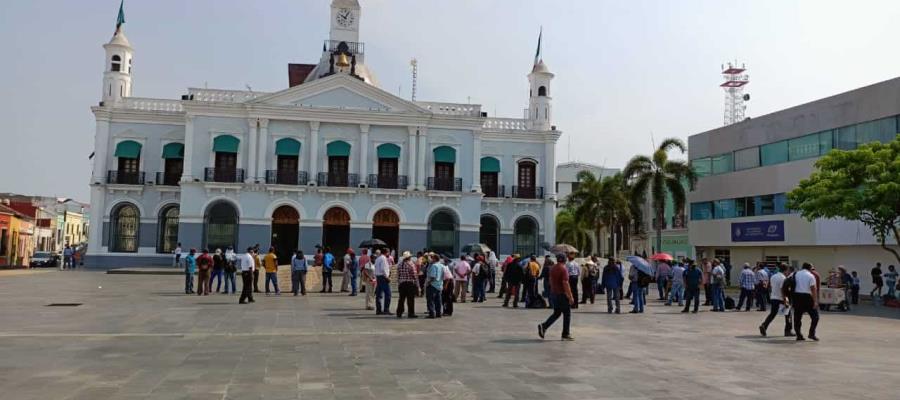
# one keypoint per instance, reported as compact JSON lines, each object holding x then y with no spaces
{"x":736,"y":79}
{"x":415,"y":76}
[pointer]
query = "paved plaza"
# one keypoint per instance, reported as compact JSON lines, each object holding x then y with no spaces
{"x":140,"y":337}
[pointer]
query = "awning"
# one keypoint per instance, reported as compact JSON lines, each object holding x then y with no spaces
{"x":128,"y":149}
{"x":173,"y":150}
{"x":389,"y":150}
{"x":490,"y":164}
{"x":339,"y":148}
{"x":226,"y":144}
{"x":287,"y":147}
{"x":445,"y":154}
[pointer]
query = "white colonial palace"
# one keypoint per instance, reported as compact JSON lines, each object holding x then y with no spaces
{"x":331,"y":160}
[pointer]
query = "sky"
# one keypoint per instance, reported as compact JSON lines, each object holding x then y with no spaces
{"x":628,"y":73}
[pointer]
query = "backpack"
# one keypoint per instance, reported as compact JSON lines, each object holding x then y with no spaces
{"x":643,"y":279}
{"x":789,"y":286}
{"x":729,"y":303}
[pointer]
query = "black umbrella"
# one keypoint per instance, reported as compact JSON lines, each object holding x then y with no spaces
{"x":372,"y":244}
{"x":479,"y":248}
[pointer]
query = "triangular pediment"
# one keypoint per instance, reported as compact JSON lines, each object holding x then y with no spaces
{"x":341,"y":92}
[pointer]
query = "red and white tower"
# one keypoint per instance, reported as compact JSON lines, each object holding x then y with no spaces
{"x":736,"y":78}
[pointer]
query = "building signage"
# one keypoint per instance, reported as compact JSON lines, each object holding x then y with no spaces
{"x":759,"y":231}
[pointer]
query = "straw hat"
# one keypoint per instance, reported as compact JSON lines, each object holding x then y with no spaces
{"x":406,"y":254}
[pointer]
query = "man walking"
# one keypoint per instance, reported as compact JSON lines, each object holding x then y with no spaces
{"x":693,"y":278}
{"x":407,"y":285}
{"x":270,"y":262}
{"x":877,"y":280}
{"x":776,"y":301}
{"x":383,"y":279}
{"x":612,"y":281}
{"x":298,"y":273}
{"x":177,"y":253}
{"x":805,"y":300}
{"x":247,"y":268}
{"x":562,"y":299}
{"x":434,"y":285}
{"x":748,"y":284}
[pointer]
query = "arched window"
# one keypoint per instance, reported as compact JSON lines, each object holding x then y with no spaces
{"x":116,"y":64}
{"x":124,"y":223}
{"x":287,"y":153}
{"x":542,"y":91}
{"x":221,"y":226}
{"x":443,"y":234}
{"x":168,"y":229}
{"x":489,"y":233}
{"x":526,"y":236}
{"x":526,"y":180}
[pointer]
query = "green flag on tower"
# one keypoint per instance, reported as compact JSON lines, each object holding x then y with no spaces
{"x":121,"y":18}
{"x":537,"y":54}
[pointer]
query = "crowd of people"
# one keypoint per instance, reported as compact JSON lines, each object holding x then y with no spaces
{"x":554,"y":282}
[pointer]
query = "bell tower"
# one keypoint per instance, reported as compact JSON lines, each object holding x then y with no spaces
{"x":344,"y":21}
{"x":540,"y":102}
{"x":117,"y":65}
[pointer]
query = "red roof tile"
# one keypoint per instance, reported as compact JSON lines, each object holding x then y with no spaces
{"x":297,"y":73}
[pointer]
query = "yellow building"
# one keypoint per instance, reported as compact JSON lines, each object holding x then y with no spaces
{"x":16,"y":237}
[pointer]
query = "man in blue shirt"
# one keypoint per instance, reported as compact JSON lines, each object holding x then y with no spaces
{"x":692,"y":279}
{"x":190,"y":265}
{"x":327,"y":268}
{"x":434,"y":285}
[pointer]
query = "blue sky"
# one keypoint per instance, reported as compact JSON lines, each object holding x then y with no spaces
{"x":625,"y":70}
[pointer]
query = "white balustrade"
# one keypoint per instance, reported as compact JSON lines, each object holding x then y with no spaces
{"x":466,"y":110}
{"x":505,"y":124}
{"x":146,"y":104}
{"x":223,"y":96}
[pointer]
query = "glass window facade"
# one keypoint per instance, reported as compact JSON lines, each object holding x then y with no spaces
{"x":702,"y":166}
{"x":803,"y":147}
{"x":722,"y":163}
{"x":770,"y":204}
{"x":701,"y":211}
{"x":746,"y":158}
{"x":773,"y":153}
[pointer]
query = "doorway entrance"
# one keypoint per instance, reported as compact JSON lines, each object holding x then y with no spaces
{"x":285,"y":232}
{"x":386,"y":226}
{"x":336,"y":231}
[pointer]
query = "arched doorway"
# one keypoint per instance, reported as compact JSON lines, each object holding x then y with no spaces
{"x":221,"y":227}
{"x":386,"y":226}
{"x":489,"y":233}
{"x":285,"y":232}
{"x":525,"y":236}
{"x":336,"y":230}
{"x":443,"y":233}
{"x":168,"y":230}
{"x":124,"y":236}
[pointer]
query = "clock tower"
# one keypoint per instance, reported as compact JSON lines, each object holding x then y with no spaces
{"x":344,"y":21}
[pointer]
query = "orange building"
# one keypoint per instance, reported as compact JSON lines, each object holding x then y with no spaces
{"x":16,"y":237}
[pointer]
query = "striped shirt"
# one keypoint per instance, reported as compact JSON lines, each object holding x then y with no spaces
{"x":748,"y":279}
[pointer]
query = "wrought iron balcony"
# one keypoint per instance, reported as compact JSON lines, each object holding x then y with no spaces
{"x":276,"y":177}
{"x":332,"y":179}
{"x":523,"y":192}
{"x":494,"y":191}
{"x":125,"y":178}
{"x":444,"y":184}
{"x":351,"y":47}
{"x":387,"y":181}
{"x":232,"y":175}
{"x":167,"y":179}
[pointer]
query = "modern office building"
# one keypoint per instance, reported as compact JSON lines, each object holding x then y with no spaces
{"x":332,"y":160}
{"x":738,"y":211}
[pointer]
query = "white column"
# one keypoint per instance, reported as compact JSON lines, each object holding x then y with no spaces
{"x":262,"y":150}
{"x":476,"y":162}
{"x":423,"y":148}
{"x":101,"y":151}
{"x":98,"y":209}
{"x":187,"y":169}
{"x":251,"y":159}
{"x":313,"y":150}
{"x":364,"y":154}
{"x":411,"y":159}
{"x":550,"y":170}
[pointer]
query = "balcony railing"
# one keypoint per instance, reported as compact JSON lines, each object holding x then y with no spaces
{"x":494,"y":191}
{"x":125,"y":178}
{"x":387,"y":181}
{"x":337,"y":180}
{"x":523,"y":192}
{"x":167,"y":179}
{"x":444,"y":184}
{"x":352,"y":47}
{"x":233,"y":175}
{"x":276,"y":177}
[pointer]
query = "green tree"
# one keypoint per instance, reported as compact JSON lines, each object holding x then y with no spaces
{"x":572,"y":230}
{"x":858,"y":185}
{"x":657,"y":175}
{"x":599,"y":203}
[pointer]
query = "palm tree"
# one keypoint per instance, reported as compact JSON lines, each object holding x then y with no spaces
{"x":570,"y":229}
{"x":614,"y":205}
{"x":657,"y":175}
{"x":587,"y":203}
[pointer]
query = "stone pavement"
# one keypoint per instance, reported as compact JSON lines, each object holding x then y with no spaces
{"x":139,"y":337}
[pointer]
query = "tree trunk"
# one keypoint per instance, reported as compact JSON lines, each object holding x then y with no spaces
{"x":660,"y":215}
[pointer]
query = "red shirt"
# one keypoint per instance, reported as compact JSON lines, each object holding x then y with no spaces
{"x":559,"y":280}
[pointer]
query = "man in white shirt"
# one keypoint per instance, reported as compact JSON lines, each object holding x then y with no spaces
{"x":248,"y":266}
{"x":806,"y":300}
{"x":762,"y":287}
{"x":177,"y":253}
{"x":574,"y":271}
{"x":383,"y":284}
{"x":776,"y":301}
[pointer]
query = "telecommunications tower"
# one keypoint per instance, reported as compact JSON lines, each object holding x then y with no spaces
{"x":736,"y":100}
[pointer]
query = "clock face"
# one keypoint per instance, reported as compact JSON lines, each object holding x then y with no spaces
{"x":345,"y":17}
